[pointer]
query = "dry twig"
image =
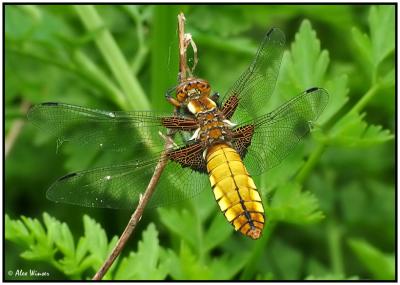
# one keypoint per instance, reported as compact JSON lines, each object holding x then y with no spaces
{"x":135,"y":218}
{"x":15,"y":130}
{"x":184,"y":41}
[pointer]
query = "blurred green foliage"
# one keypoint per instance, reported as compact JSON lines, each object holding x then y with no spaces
{"x":330,"y":205}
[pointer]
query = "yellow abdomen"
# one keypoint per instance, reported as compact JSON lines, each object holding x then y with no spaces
{"x":234,"y":190}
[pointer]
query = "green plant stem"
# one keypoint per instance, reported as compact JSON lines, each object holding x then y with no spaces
{"x":87,"y":72}
{"x":140,"y":58}
{"x":51,"y":61}
{"x":256,"y":253}
{"x":97,"y":74}
{"x":335,"y":250}
{"x":141,"y":54}
{"x":311,"y":162}
{"x":134,"y":94}
{"x":365,"y":99}
{"x":163,"y":63}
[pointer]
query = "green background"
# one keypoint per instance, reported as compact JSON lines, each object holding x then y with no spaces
{"x":330,"y":205}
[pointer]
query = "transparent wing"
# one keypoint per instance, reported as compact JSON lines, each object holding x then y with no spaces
{"x":120,"y":186}
{"x":257,"y":83}
{"x":277,"y":133}
{"x":118,"y":131}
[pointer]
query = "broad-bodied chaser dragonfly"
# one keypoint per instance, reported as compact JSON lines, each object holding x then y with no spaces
{"x":223,"y":138}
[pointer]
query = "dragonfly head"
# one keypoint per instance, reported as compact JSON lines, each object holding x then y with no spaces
{"x":192,"y":88}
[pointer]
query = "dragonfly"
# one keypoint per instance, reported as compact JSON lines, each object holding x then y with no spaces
{"x":219,"y":142}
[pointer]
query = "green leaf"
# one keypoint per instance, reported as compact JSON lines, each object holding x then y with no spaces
{"x":41,"y":249}
{"x":187,"y":266}
{"x":17,"y":232}
{"x":36,"y":229}
{"x":363,"y":45}
{"x":96,"y":239}
{"x":30,"y":234}
{"x":381,"y":265}
{"x":228,"y":266}
{"x":287,"y":259}
{"x":374,"y":48}
{"x":382,"y":27}
{"x":291,"y":205}
{"x":81,"y":250}
{"x":57,"y":239}
{"x":60,"y":234}
{"x":93,"y":248}
{"x":305,"y":65}
{"x":183,"y":224}
{"x":352,"y":131}
{"x":145,"y":264}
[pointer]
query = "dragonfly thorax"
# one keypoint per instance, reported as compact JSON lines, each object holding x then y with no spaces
{"x":201,"y":105}
{"x":213,"y":128}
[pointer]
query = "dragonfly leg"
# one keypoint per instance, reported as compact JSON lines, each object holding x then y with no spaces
{"x":170,"y":99}
{"x":215,"y":98}
{"x":174,"y":102}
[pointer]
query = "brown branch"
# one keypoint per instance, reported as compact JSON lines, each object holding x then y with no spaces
{"x":182,"y":48}
{"x":135,"y":218}
{"x":15,"y":130}
{"x":184,"y":41}
{"x":195,"y":59}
